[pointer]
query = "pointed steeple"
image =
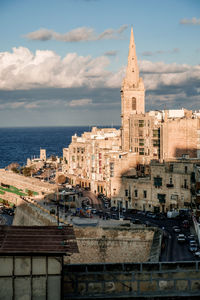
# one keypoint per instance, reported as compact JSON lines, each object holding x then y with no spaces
{"x":132,"y":71}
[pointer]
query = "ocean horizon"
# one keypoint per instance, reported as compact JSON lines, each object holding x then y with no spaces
{"x":19,"y":143}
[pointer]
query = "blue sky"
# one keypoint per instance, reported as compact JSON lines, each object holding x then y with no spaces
{"x":62,"y":62}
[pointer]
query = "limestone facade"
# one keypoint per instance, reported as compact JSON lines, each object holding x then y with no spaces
{"x":165,"y":186}
{"x":99,"y":159}
{"x":89,"y":160}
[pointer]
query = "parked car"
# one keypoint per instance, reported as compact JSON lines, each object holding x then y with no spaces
{"x":186,"y":224}
{"x":181,"y":238}
{"x":193,"y":247}
{"x":127,"y":218}
{"x":176,"y":229}
{"x":197,"y":254}
{"x":191,"y":237}
{"x":136,"y":221}
{"x":149,"y":214}
{"x":161,"y":216}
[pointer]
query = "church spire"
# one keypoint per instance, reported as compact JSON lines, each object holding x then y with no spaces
{"x":132,"y":72}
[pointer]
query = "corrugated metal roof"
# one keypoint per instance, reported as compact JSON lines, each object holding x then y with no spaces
{"x":37,"y":240}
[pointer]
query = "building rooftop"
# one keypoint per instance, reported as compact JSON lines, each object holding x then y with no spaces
{"x":37,"y":240}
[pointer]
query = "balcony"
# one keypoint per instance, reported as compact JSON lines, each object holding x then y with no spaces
{"x":169,"y":185}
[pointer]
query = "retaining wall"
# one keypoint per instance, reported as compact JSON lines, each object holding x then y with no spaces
{"x":132,"y":280}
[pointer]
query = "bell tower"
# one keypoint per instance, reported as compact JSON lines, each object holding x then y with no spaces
{"x":132,"y":95}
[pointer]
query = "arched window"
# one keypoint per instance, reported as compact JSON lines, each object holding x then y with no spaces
{"x":133,"y":103}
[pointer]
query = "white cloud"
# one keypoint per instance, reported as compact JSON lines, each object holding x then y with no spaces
{"x":21,"y":69}
{"x":86,"y":80}
{"x":76,"y":35}
{"x":193,"y":21}
{"x":80,"y":102}
{"x":157,"y":75}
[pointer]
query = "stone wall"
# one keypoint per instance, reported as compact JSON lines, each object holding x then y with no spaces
{"x":28,"y":214}
{"x":113,"y":245}
{"x":30,"y":183}
{"x":132,"y":280}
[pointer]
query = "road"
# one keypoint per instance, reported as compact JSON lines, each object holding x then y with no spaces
{"x":96,"y":203}
{"x":172,"y":251}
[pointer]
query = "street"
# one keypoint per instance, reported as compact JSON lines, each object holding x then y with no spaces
{"x":171,"y":250}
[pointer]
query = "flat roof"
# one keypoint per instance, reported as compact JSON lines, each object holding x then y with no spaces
{"x":18,"y":240}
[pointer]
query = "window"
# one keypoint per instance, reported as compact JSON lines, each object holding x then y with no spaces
{"x":133,"y":103}
{"x":157,"y":181}
{"x":185,"y":184}
{"x":141,"y":151}
{"x":126,"y":193}
{"x":171,"y":168}
{"x":186,"y":169}
{"x":141,"y":123}
{"x":156,"y":133}
{"x":170,"y":180}
{"x":155,"y":143}
{"x":145,"y":194}
{"x":78,"y":150}
{"x":111,"y":166}
{"x":141,"y":142}
{"x":161,"y":198}
{"x":136,"y":193}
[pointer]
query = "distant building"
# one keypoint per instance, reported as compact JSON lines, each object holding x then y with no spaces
{"x":43,"y":155}
{"x":100,"y":159}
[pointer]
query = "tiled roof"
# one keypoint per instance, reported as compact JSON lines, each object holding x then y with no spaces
{"x":37,"y":240}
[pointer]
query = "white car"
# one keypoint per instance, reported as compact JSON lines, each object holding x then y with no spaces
{"x":181,"y":238}
{"x":197,"y":254}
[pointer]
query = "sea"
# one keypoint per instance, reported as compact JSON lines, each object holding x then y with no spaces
{"x":19,"y":143}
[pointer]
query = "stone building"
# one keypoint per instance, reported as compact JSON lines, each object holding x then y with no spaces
{"x":100,"y":159}
{"x":89,"y":160}
{"x":165,"y":186}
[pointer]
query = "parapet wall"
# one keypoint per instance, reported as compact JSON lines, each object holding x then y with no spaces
{"x":112,"y":245}
{"x":132,"y":280}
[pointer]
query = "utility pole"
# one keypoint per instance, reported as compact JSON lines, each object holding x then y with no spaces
{"x":58,"y":207}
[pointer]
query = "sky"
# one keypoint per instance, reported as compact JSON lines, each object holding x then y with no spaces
{"x":62,"y":62}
